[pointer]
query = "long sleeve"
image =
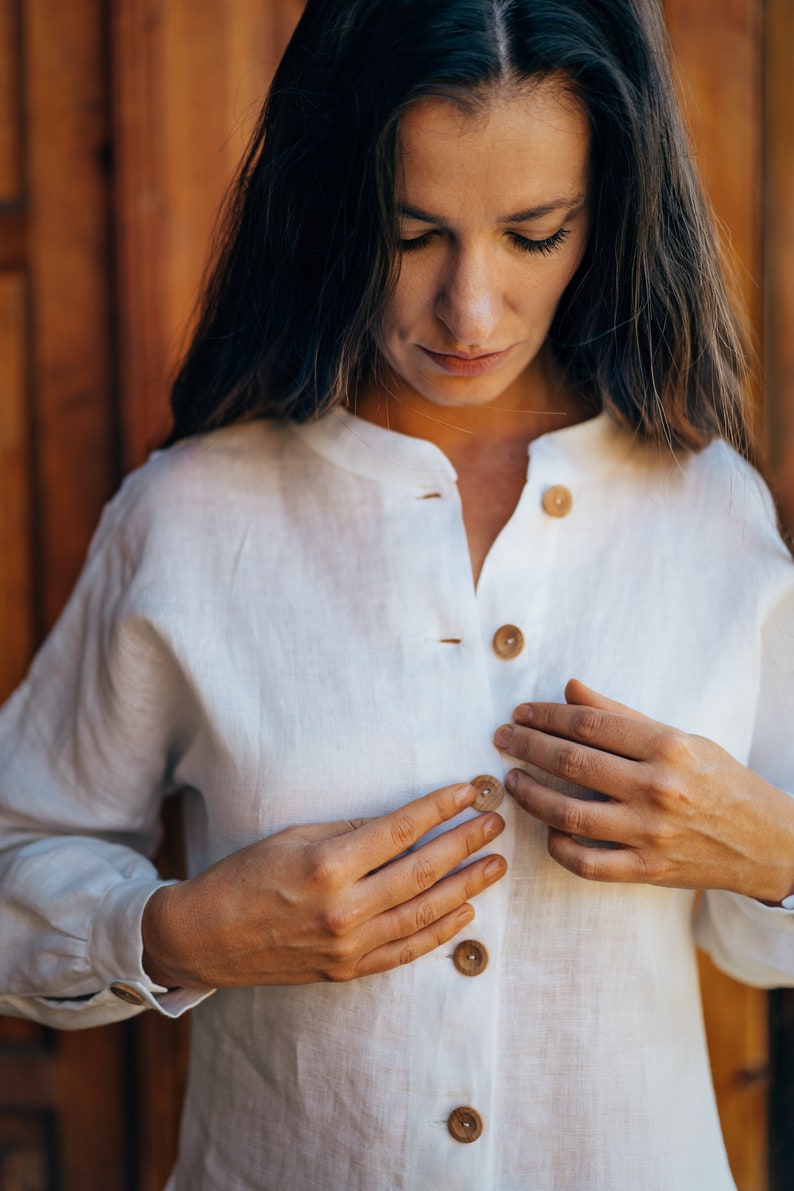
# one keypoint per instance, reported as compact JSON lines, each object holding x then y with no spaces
{"x":752,"y":942}
{"x":86,"y":750}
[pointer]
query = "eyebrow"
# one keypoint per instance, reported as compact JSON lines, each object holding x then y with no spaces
{"x":572,"y":205}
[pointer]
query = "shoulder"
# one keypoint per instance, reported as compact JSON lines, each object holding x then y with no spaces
{"x":197,"y":481}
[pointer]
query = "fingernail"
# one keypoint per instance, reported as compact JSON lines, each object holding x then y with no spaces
{"x":465,"y":916}
{"x":511,"y":780}
{"x":464,"y":795}
{"x":524,"y":712}
{"x":493,"y":825}
{"x":503,"y":736}
{"x":495,"y":868}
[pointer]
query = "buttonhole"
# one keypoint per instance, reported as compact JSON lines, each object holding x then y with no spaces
{"x":451,"y":641}
{"x":430,"y":496}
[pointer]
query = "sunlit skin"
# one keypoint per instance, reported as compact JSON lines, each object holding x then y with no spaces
{"x":493,"y":226}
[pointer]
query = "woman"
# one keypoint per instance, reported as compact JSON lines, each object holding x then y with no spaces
{"x":464,"y":230}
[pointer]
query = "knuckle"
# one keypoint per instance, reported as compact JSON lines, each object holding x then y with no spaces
{"x":586,"y":723}
{"x":674,"y":747}
{"x":402,"y":832}
{"x":665,"y":791}
{"x":586,"y":866}
{"x":571,"y":817}
{"x":340,"y":974}
{"x":324,"y":867}
{"x":424,"y":915}
{"x":574,"y":763}
{"x":407,"y":954}
{"x":338,"y":922}
{"x":423,"y":873}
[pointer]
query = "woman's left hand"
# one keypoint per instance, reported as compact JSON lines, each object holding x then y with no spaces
{"x":681,"y":812}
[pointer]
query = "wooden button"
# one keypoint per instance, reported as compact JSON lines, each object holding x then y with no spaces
{"x":557,"y":501}
{"x":125,"y":992}
{"x":490,"y":792}
{"x":470,"y":958}
{"x":464,"y":1123}
{"x":508,"y":641}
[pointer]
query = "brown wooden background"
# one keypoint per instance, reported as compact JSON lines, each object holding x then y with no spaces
{"x":119,"y":125}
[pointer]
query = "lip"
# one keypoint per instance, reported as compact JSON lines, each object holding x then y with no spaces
{"x":461,"y":365}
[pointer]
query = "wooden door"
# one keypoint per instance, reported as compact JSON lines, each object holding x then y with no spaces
{"x":119,"y":127}
{"x":63,"y":1098}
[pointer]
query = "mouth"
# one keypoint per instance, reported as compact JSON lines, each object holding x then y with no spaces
{"x":463,"y":364}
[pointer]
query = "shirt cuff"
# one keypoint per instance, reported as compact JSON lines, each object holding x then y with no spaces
{"x":116,"y":950}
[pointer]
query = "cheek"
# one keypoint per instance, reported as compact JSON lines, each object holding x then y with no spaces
{"x":409,"y":304}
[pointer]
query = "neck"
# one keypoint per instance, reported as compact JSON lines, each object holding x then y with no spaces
{"x":537,"y":403}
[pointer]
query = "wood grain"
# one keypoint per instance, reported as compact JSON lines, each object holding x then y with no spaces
{"x":720,"y":51}
{"x":69,"y":250}
{"x":779,"y":248}
{"x":16,"y":579}
{"x":10,"y":103}
{"x":176,"y":152}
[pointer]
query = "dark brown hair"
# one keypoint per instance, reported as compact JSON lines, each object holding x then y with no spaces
{"x":307,"y":253}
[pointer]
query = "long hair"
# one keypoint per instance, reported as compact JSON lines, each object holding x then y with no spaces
{"x":307,"y":254}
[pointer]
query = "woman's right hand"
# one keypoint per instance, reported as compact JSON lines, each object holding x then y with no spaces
{"x":331,"y":901}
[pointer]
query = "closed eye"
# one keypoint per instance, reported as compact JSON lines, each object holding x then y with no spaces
{"x":417,"y":242}
{"x":523,"y":243}
{"x":544,"y":247}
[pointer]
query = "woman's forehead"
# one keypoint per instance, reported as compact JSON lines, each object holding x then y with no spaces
{"x":516,"y":150}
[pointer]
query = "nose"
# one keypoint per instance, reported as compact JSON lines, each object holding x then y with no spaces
{"x":469,"y":300}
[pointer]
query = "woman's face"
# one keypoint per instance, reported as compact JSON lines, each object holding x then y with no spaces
{"x":493,"y":225}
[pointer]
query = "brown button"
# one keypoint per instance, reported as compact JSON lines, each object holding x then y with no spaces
{"x":490,"y":792}
{"x":125,"y":992}
{"x":557,"y":501}
{"x":470,"y":958}
{"x":464,"y":1123}
{"x":508,"y":641}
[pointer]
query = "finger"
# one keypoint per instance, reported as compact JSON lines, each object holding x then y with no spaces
{"x":381,"y":839}
{"x":619,"y":734}
{"x":606,"y":821}
{"x":592,"y":768}
{"x":598,"y":864}
{"x":449,"y":894}
{"x":405,"y":951}
{"x":577,"y":691}
{"x":417,"y":871}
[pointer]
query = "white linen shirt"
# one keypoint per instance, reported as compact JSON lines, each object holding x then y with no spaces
{"x":282,"y":619}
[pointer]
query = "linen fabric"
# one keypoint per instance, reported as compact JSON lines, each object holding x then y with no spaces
{"x":282,"y":620}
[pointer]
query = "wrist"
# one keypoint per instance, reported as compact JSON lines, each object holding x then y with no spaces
{"x":160,"y":960}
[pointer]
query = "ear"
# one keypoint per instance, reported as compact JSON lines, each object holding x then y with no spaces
{"x":576,"y":692}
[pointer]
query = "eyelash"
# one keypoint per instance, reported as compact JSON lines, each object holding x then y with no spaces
{"x":522,"y":243}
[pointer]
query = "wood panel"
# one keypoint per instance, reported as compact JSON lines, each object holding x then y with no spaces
{"x":779,"y":248}
{"x":16,"y":580}
{"x":176,"y":154}
{"x":62,"y":1097}
{"x":67,"y":134}
{"x":10,"y":106}
{"x":720,"y":50}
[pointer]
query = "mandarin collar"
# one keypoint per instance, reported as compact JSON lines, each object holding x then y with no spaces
{"x":372,"y":451}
